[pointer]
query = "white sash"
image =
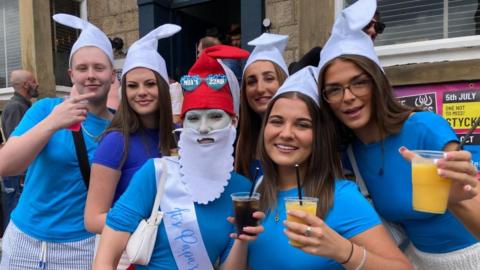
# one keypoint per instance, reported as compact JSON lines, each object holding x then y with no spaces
{"x":180,"y":222}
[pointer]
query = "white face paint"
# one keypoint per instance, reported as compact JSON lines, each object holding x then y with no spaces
{"x":205,"y":121}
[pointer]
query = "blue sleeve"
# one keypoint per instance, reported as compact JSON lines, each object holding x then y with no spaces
{"x":438,"y":133}
{"x":39,"y":111}
{"x":110,"y":150}
{"x":136,"y":202}
{"x":351,"y":213}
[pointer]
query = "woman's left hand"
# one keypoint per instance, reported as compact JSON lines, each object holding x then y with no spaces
{"x":456,"y":166}
{"x":317,"y":237}
{"x":253,"y":230}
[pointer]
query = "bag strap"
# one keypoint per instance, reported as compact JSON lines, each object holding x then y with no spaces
{"x":82,"y":156}
{"x":356,"y":171}
{"x":160,"y":176}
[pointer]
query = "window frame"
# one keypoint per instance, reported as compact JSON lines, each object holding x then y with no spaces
{"x":430,"y":51}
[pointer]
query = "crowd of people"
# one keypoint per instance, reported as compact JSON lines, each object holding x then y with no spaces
{"x":301,"y":130}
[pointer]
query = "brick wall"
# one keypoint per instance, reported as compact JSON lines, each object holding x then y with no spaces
{"x":117,"y":18}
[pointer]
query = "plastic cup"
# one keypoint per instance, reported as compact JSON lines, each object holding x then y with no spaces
{"x":75,"y":126}
{"x":244,"y":207}
{"x":309,"y":205}
{"x":429,"y":190}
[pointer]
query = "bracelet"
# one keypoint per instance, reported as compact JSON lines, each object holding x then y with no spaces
{"x":364,"y":258}
{"x":349,"y":255}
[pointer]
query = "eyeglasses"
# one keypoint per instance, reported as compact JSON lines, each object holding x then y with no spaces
{"x":214,"y":81}
{"x":377,"y":25}
{"x":359,"y":86}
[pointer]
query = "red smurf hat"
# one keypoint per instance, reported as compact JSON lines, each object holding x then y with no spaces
{"x":206,"y":86}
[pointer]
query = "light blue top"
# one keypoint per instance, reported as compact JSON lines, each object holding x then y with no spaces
{"x":350,"y":215}
{"x":137,"y":202}
{"x":392,"y":191}
{"x":53,"y":199}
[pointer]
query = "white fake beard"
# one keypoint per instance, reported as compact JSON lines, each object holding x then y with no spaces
{"x":205,"y":168}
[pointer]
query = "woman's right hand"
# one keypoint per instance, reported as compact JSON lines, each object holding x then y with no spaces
{"x":72,"y":110}
{"x":254,"y":231}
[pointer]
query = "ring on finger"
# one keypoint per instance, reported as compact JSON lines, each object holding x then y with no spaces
{"x":308,"y":231}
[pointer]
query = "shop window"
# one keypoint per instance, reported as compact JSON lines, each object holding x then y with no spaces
{"x":426,"y":30}
{"x":10,"y":51}
{"x":413,"y":20}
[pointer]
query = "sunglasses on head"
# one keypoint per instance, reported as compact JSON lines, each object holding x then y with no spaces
{"x":377,"y":25}
{"x":214,"y":81}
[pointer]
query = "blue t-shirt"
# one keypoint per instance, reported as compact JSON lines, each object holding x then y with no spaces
{"x":142,"y":145}
{"x":53,"y":199}
{"x":137,"y":202}
{"x":392,"y":191}
{"x":350,"y":215}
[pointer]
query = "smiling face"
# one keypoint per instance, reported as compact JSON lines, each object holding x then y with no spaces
{"x":205,"y":121}
{"x":261,"y":84}
{"x":142,"y":94}
{"x":288,"y":133}
{"x":92,"y":71}
{"x":354,"y":111}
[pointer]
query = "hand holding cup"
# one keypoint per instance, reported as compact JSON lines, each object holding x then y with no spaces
{"x":72,"y":111}
{"x":456,"y":166}
{"x":314,"y":236}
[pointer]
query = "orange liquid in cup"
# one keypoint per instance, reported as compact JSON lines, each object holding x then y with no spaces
{"x":309,"y":205}
{"x":429,"y":190}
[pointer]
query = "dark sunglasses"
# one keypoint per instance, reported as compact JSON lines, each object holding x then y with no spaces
{"x":377,"y":25}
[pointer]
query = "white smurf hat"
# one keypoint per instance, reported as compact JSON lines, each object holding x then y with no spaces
{"x":268,"y":47}
{"x":347,"y":35}
{"x":143,"y":52}
{"x":90,"y":36}
{"x":303,"y":81}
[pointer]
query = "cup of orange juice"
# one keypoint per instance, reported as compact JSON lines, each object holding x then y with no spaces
{"x":308,"y":205}
{"x":429,"y":190}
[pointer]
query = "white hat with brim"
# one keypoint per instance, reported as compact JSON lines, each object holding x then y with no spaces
{"x":90,"y":36}
{"x":347,"y":34}
{"x":303,"y":81}
{"x":143,"y":52}
{"x":268,"y":47}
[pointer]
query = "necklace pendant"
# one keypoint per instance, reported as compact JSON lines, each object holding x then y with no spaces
{"x":277,"y":218}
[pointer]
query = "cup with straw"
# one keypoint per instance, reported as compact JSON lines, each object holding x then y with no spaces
{"x":245,"y":204}
{"x":301,"y":203}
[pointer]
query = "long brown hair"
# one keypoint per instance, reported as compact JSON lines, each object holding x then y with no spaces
{"x":127,"y":121}
{"x":250,"y":125}
{"x":387,"y":112}
{"x":322,"y":167}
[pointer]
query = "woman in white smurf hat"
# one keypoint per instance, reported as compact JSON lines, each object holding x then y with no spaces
{"x":264,"y":72}
{"x":359,"y":99}
{"x":345,"y":232}
{"x":141,"y":128}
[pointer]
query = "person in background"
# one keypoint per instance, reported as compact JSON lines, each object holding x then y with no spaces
{"x":336,"y":237}
{"x":358,"y":99}
{"x":205,"y":42}
{"x":141,"y":128}
{"x":46,"y":229}
{"x":25,"y":88}
{"x":206,"y":147}
{"x":375,"y":27}
{"x":176,"y":96}
{"x":264,"y":72}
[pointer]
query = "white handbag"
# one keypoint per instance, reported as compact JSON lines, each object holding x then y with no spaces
{"x":140,"y":245}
